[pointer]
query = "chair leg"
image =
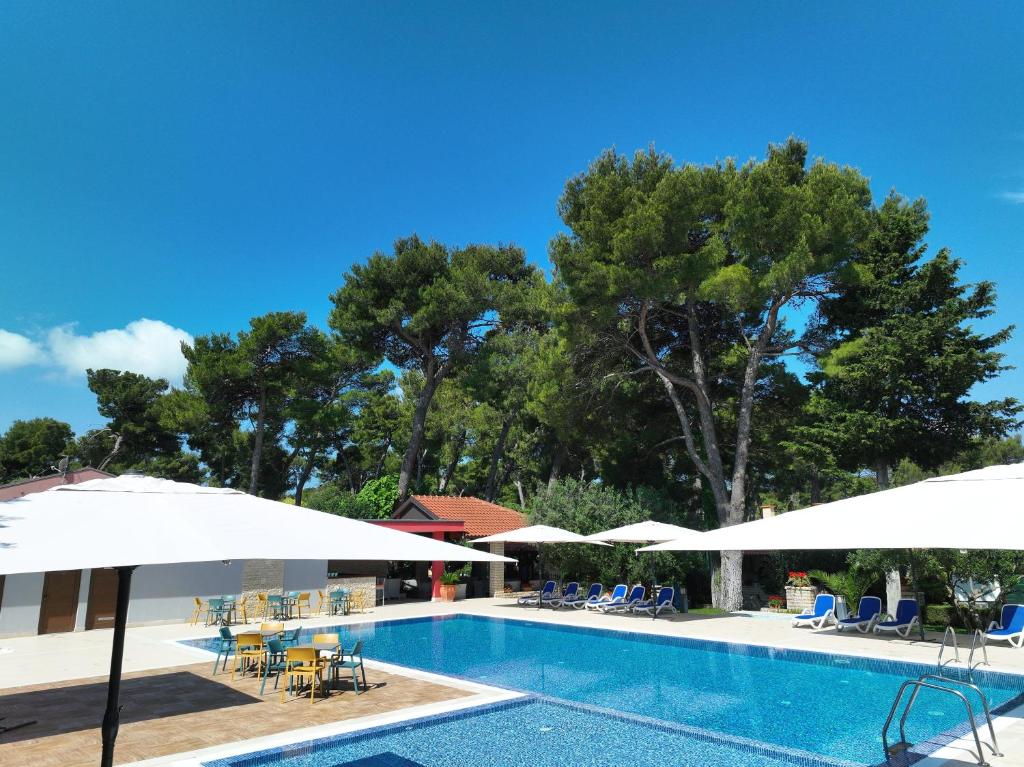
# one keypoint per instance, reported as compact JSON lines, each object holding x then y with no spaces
{"x":355,"y":680}
{"x":362,"y":670}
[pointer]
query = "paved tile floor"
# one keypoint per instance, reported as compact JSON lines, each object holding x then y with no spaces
{"x":183,"y":708}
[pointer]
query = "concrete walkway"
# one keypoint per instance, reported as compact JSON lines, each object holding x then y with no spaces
{"x":36,"y":660}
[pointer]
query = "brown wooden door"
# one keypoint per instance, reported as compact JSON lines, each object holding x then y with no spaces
{"x":102,"y":599}
{"x":60,"y":601}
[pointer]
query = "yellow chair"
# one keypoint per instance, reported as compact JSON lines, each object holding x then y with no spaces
{"x":277,"y":628}
{"x":322,"y":639}
{"x":242,"y":608}
{"x":356,"y":601}
{"x":249,"y":650}
{"x":262,"y":605}
{"x":304,"y":664}
{"x":302,"y":600}
{"x":199,"y":608}
{"x":321,"y":600}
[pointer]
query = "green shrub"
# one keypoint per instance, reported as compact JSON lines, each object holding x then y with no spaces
{"x":378,"y":497}
{"x":939,"y":615}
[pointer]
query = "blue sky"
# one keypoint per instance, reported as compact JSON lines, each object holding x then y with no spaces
{"x":195,"y":164}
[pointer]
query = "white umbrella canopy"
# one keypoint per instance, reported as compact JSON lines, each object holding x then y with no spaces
{"x":644,"y":532}
{"x":981,"y":509}
{"x":537,"y":534}
{"x":133,"y":520}
{"x":136,"y":520}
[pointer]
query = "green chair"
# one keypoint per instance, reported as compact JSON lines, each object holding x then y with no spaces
{"x":291,"y":638}
{"x":276,"y":663}
{"x":339,"y":601}
{"x":218,"y":612}
{"x":354,"y":661}
{"x":226,"y":648}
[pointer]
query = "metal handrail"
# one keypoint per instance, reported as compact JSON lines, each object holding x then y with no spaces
{"x":981,"y":695}
{"x":917,"y":684}
{"x":978,"y":635}
{"x":956,"y":647}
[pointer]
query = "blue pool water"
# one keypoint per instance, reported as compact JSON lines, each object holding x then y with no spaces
{"x":515,"y":735}
{"x":812,"y":702}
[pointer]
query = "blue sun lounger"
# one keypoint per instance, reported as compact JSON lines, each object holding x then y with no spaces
{"x":593,"y":595}
{"x":539,"y":597}
{"x":1010,"y":627}
{"x":662,"y":603}
{"x":636,"y":596}
{"x":824,"y":610}
{"x":905,"y":620}
{"x":569,"y":595}
{"x":868,"y":611}
{"x":618,"y":594}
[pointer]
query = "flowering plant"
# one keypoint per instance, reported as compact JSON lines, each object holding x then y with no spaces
{"x":798,"y":578}
{"x":776,"y":602}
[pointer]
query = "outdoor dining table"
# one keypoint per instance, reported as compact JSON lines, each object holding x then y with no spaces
{"x":269,"y":633}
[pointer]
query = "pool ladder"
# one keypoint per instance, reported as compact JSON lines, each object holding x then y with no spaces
{"x":938,"y":682}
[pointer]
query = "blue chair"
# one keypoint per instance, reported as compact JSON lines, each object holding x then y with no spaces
{"x":352,"y":660}
{"x":593,"y":595}
{"x":291,"y":638}
{"x":618,"y":594}
{"x":569,"y":595}
{"x":907,"y":617}
{"x":1010,"y":627}
{"x":539,"y":597}
{"x":276,"y":662}
{"x":225,"y":648}
{"x":339,"y":601}
{"x":824,"y":610}
{"x":218,"y":612}
{"x":663,"y":603}
{"x":636,"y":596}
{"x":869,"y":609}
{"x":275,"y":606}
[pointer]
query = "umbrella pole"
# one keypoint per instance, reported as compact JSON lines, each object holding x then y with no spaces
{"x":113,"y":711}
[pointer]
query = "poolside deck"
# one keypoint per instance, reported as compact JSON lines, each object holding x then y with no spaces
{"x":174,"y":705}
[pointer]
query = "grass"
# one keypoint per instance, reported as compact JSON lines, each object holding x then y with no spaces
{"x":707,"y":611}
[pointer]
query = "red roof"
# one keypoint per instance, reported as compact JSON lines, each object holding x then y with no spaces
{"x":481,"y":517}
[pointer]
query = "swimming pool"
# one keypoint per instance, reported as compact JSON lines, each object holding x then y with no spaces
{"x":518,"y":733}
{"x":812,"y":702}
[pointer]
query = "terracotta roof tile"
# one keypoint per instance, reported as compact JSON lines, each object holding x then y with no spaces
{"x":481,"y":517}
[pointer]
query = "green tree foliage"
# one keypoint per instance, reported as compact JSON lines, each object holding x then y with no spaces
{"x":896,"y":384}
{"x":426,"y":307}
{"x":33,"y":448}
{"x":685,"y":273}
{"x":252,"y":378}
{"x":379,"y":496}
{"x":587,"y":508}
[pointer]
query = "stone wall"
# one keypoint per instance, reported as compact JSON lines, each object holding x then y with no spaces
{"x":367,"y":586}
{"x":263,"y":575}
{"x":800,"y":598}
{"x":496,"y":581}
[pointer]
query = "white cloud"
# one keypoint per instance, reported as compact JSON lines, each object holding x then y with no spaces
{"x":149,"y":347}
{"x":1015,"y":197}
{"x":17,"y":351}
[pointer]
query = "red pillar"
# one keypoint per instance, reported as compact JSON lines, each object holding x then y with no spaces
{"x":437,"y":568}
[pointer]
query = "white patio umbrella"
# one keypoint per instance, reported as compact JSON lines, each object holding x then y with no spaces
{"x":648,"y":531}
{"x":538,"y":534}
{"x":133,"y":520}
{"x":979,"y":509}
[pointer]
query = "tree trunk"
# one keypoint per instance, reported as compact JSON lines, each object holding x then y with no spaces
{"x":496,"y":454}
{"x":727,"y":591}
{"x":432,"y":377}
{"x":419,"y":467}
{"x":257,"y":444}
{"x":556,"y":465}
{"x":882,"y":474}
{"x":449,"y":470}
{"x":522,"y":495}
{"x":348,"y":470}
{"x":815,"y":485}
{"x":304,"y":475}
{"x":383,"y":456}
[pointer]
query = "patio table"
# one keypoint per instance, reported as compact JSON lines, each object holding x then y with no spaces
{"x":268,"y":633}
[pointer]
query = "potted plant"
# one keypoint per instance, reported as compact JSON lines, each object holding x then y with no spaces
{"x":450,"y":582}
{"x":799,"y":591}
{"x":776,"y":603}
